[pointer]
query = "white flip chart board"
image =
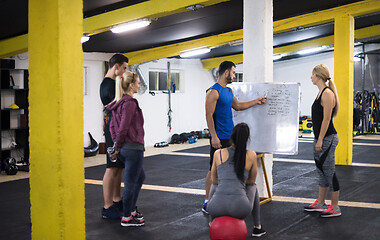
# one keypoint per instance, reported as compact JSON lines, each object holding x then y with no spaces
{"x":274,"y":125}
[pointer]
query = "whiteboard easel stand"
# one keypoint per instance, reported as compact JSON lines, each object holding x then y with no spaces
{"x":269,"y":198}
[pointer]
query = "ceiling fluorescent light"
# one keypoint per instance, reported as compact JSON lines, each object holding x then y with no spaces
{"x":130,"y":25}
{"x":194,"y":52}
{"x":84,"y":38}
{"x":236,"y":42}
{"x":195,"y":7}
{"x":277,"y":56}
{"x":310,"y":50}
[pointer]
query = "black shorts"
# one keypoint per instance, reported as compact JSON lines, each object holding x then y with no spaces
{"x":225,"y":143}
{"x":109,"y":142}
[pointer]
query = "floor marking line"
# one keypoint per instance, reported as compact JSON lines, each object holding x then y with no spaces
{"x":312,"y":162}
{"x":174,"y":189}
{"x":367,"y":144}
{"x":188,"y":154}
{"x":291,"y":160}
{"x":357,"y":144}
{"x":274,"y":198}
{"x":366,"y":164}
{"x":341,"y":203}
{"x":157,"y":188}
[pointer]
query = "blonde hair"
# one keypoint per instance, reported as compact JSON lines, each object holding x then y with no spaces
{"x":123,"y":83}
{"x":322,"y":71}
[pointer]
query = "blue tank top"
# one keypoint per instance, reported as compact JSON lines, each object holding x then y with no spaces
{"x":223,"y":112}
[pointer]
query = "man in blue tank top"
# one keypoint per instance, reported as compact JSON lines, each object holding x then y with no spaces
{"x":219,"y":103}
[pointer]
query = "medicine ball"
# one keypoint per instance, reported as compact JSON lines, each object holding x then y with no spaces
{"x":10,"y":166}
{"x":228,"y":228}
{"x":175,"y":139}
{"x":184,"y":137}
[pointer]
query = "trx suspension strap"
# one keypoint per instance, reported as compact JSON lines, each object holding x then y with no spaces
{"x":170,"y":103}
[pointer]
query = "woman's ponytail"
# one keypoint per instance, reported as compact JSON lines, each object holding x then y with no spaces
{"x":239,"y":138}
{"x":333,"y":88}
{"x":322,"y":71}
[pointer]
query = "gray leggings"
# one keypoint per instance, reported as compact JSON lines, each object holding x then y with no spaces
{"x":236,"y":210}
{"x":256,"y":210}
{"x":325,"y":162}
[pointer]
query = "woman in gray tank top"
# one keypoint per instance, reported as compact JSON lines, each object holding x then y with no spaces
{"x":233,"y":176}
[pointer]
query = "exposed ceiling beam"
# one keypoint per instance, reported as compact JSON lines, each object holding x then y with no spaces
{"x":210,"y":63}
{"x":13,"y":46}
{"x":102,"y":22}
{"x":150,"y":9}
{"x":175,"y":49}
{"x":156,"y":9}
{"x":367,"y":32}
{"x":324,"y":41}
{"x":289,"y":24}
{"x":320,"y":17}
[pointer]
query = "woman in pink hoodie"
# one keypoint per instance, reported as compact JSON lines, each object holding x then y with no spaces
{"x":127,"y":131}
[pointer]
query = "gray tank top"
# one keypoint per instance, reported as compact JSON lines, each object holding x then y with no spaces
{"x":228,"y":182}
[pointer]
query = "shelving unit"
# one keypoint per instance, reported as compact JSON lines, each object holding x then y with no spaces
{"x":14,"y":122}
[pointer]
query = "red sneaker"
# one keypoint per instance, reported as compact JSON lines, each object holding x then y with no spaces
{"x":331,"y":212}
{"x":131,"y":222}
{"x":138,"y":215}
{"x":315,"y":207}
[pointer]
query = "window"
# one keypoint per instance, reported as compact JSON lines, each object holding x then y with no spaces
{"x":239,"y":77}
{"x":158,"y":81}
{"x":85,"y":77}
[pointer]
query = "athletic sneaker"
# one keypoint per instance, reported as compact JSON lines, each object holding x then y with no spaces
{"x":204,"y":208}
{"x":258,"y":232}
{"x":119,"y":205}
{"x":331,"y":212}
{"x":111,"y":213}
{"x":315,"y":207}
{"x":138,"y":215}
{"x":132,"y":222}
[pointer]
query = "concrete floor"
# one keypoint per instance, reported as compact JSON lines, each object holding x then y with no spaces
{"x":173,"y":193}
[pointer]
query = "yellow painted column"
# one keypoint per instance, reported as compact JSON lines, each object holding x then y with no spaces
{"x":344,"y":81}
{"x":56,"y":119}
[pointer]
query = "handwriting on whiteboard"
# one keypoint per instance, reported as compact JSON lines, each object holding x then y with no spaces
{"x":279,"y":101}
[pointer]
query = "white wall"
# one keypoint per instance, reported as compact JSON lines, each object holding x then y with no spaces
{"x":299,"y":70}
{"x":188,"y":105}
{"x":92,"y":105}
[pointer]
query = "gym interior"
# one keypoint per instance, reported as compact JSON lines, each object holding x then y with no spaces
{"x":42,"y":133}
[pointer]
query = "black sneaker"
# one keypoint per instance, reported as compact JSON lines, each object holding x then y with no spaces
{"x":119,"y":205}
{"x":111,"y":213}
{"x":258,"y":232}
{"x":138,"y":215}
{"x":132,"y":222}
